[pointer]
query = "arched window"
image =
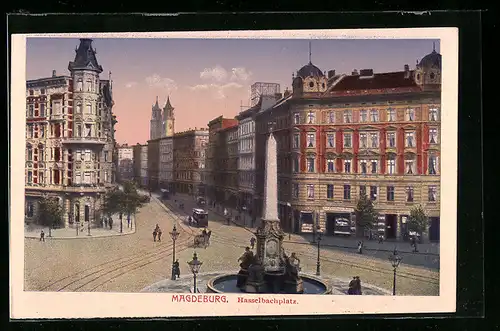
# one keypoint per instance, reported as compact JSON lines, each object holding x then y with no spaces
{"x":29,"y":150}
{"x":89,"y":108}
{"x":79,"y":85}
{"x":79,"y":108}
{"x":89,"y":85}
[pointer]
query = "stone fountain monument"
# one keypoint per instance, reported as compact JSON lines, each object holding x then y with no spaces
{"x":269,"y":270}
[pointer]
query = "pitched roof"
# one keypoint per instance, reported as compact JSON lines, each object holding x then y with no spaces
{"x":85,"y":57}
{"x":167,"y":104}
{"x":378,"y":81}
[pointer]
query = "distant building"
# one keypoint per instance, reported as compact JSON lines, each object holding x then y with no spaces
{"x":153,"y":171}
{"x":125,"y":163}
{"x":70,"y":139}
{"x":166,"y":163}
{"x":217,"y":157}
{"x":144,"y":180}
{"x":162,"y":122}
{"x":230,"y":166}
{"x":189,"y":161}
{"x":136,"y":163}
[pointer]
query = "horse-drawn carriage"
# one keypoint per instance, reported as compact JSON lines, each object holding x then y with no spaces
{"x":203,"y":239}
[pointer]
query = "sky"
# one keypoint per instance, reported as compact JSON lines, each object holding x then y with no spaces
{"x":206,"y":78}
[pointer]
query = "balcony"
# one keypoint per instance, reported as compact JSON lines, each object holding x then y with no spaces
{"x":84,"y":188}
{"x":56,"y":117}
{"x":85,"y":140}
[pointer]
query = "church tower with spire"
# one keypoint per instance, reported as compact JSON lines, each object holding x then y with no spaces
{"x":155,"y":130}
{"x":168,"y":129}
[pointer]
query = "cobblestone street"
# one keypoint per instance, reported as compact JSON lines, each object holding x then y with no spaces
{"x":133,"y":262}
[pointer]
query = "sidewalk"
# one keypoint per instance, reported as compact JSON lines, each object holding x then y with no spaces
{"x":307,"y":238}
{"x":33,"y":231}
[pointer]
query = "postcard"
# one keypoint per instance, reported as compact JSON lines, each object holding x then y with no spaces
{"x":233,"y":173}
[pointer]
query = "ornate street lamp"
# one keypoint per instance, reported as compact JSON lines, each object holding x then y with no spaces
{"x":395,"y":261}
{"x":195,"y":266}
{"x":318,"y":263}
{"x":174,"y":235}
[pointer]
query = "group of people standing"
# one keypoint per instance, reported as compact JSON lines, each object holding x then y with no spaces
{"x":354,"y":286}
{"x":157,"y":233}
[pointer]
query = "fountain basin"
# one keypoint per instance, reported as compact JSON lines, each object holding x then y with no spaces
{"x":226,"y":283}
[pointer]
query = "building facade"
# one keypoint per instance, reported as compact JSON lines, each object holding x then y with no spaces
{"x":136,"y":163}
{"x":166,"y":163}
{"x":230,"y":165}
{"x":70,"y":139}
{"x":217,"y":156}
{"x":162,"y":123}
{"x":189,"y":161}
{"x":125,"y":163}
{"x":144,"y":180}
{"x":153,"y":164}
{"x":341,"y":136}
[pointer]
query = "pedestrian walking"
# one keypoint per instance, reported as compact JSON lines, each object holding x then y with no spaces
{"x":111,"y":223}
{"x":42,"y":236}
{"x":252,"y":242}
{"x":154,"y":235}
{"x":105,"y":222}
{"x":360,"y":247}
{"x":352,"y":286}
{"x":380,"y":239}
{"x":177,"y":269}
{"x":159,"y":234}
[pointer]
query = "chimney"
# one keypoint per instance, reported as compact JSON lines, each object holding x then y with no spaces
{"x":53,"y":73}
{"x":331,"y":73}
{"x":407,"y":71}
{"x":287,"y":92}
{"x":355,"y":72}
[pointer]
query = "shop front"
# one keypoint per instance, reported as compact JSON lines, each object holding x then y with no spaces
{"x":338,"y":221}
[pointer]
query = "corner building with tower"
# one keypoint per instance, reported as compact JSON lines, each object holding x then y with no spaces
{"x":340,"y":136}
{"x":70,"y":145}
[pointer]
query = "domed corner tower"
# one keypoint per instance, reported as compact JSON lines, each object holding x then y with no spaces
{"x":428,"y":71}
{"x":168,"y":119}
{"x":310,"y":79}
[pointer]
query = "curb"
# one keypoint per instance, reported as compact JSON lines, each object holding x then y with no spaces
{"x":82,"y":236}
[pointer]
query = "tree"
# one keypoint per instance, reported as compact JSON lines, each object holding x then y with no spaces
{"x":50,"y":213}
{"x":131,"y":200}
{"x":366,"y":216}
{"x":111,"y":202}
{"x":418,"y":220}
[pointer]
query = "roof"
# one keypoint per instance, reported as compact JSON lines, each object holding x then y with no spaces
{"x":309,"y":70}
{"x":432,"y":59}
{"x":156,"y":106}
{"x":85,"y":58}
{"x":228,"y":123}
{"x":167,"y":104}
{"x":378,"y":81}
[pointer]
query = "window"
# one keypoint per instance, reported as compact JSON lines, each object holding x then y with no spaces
{"x":29,"y":209}
{"x":391,"y":139}
{"x":363,"y":166}
{"x":410,"y":167}
{"x":79,"y":85}
{"x":106,"y":154}
{"x":310,"y":164}
{"x":79,"y":156}
{"x":373,"y":164}
{"x":410,"y":114}
{"x":432,"y":193}
{"x":79,"y":108}
{"x":433,"y":136}
{"x":29,"y":127}
{"x":432,"y":164}
{"x":410,"y":139}
{"x":296,"y":118}
{"x":390,"y":193}
{"x":105,"y":176}
{"x":31,"y":92}
{"x":89,"y":108}
{"x":296,"y":140}
{"x":363,"y":140}
{"x":87,"y":178}
{"x":295,"y":192}
{"x":311,"y":117}
{"x":347,"y":116}
{"x":310,"y":191}
{"x":409,"y":194}
{"x":296,"y":164}
{"x":87,"y":155}
{"x":363,"y":115}
{"x":347,"y":166}
{"x":29,"y":149}
{"x":373,"y":192}
{"x":88,"y":130}
{"x":330,"y":140}
{"x":330,"y":165}
{"x":311,"y":139}
{"x":433,"y":114}
{"x":56,"y":108}
{"x":362,"y":190}
{"x":329,"y":191}
{"x":374,"y":115}
{"x":391,"y":115}
{"x":41,"y":153}
{"x":30,"y":110}
{"x":41,"y":177}
{"x":42,"y":110}
{"x":391,"y":165}
{"x":42,"y":91}
{"x":89,"y":85}
{"x":347,"y":140}
{"x":374,"y":140}
{"x":30,"y":177}
{"x":347,"y":192}
{"x":78,"y":130}
{"x":331,"y":117}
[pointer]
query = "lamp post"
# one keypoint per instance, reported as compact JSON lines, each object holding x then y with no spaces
{"x":121,"y":222}
{"x":195,"y":266}
{"x":395,"y":261}
{"x":174,"y":235}
{"x":318,"y":263}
